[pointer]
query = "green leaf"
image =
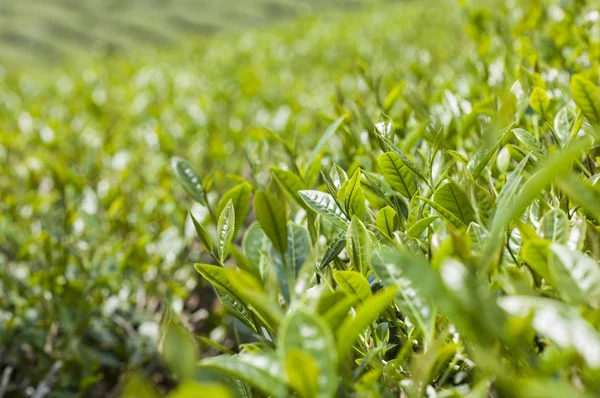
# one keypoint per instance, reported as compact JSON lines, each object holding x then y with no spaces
{"x":444,"y":213}
{"x":576,"y":275}
{"x":386,"y":221}
{"x":272,"y":217}
{"x":240,"y":198}
{"x":307,"y":333}
{"x":352,"y":196}
{"x":559,"y":322}
{"x":189,"y":179}
{"x":225,"y":228}
{"x":452,"y":198}
{"x":564,"y":120}
{"x":261,"y":370}
{"x":287,"y":266}
{"x":338,"y":176}
{"x":290,"y":182}
{"x":324,"y":204}
{"x":202,"y":234}
{"x":483,"y":155}
{"x":536,"y":254}
{"x":326,"y":136}
{"x":302,"y":372}
{"x":335,"y":247}
{"x":178,"y":349}
{"x":245,"y":289}
{"x":557,"y":166}
{"x":136,"y":385}
{"x":193,"y":389}
{"x":555,"y":226}
{"x":420,"y":226}
{"x":587,"y":97}
{"x":236,"y":308}
{"x":366,"y":314}
{"x":389,"y":269}
{"x":353,"y":283}
{"x":532,"y":144}
{"x":540,"y":102}
{"x":358,"y":245}
{"x":255,"y":244}
{"x":581,"y":192}
{"x":398,"y":174}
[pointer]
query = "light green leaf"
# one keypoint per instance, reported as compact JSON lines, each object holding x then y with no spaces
{"x":261,"y":370}
{"x":559,"y":322}
{"x":398,"y":174}
{"x":240,"y":198}
{"x":366,"y":314}
{"x":358,"y":245}
{"x":255,"y":244}
{"x":576,"y":275}
{"x":272,"y":217}
{"x":564,"y":120}
{"x":532,"y":144}
{"x":324,"y":204}
{"x":582,"y":192}
{"x":420,"y":226}
{"x":303,"y":331}
{"x":352,"y":197}
{"x":536,"y":253}
{"x":338,"y":176}
{"x":540,"y":102}
{"x":353,"y":283}
{"x":444,"y":213}
{"x":287,"y":266}
{"x":225,"y":228}
{"x":302,"y":372}
{"x":483,"y":155}
{"x":290,"y":182}
{"x":178,"y":349}
{"x":202,"y":234}
{"x":326,"y":136}
{"x":245,"y":289}
{"x":555,"y":226}
{"x":453,"y":198}
{"x":386,"y":221}
{"x":189,"y":179}
{"x":587,"y":97}
{"x":193,"y":389}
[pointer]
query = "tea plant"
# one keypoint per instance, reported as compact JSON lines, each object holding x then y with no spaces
{"x":447,"y":246}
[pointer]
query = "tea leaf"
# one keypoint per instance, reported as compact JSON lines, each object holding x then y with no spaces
{"x":399,"y":175}
{"x":189,"y":179}
{"x":240,"y":198}
{"x":225,"y":230}
{"x":353,"y":283}
{"x":272,"y":217}
{"x":587,"y":97}
{"x":358,"y":245}
{"x":325,"y":205}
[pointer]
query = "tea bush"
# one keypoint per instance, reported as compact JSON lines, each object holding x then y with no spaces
{"x":439,"y":239}
{"x":424,"y":223}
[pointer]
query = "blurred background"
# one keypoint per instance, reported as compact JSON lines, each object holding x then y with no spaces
{"x":51,"y":30}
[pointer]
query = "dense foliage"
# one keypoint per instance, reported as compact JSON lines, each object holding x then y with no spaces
{"x":440,"y":238}
{"x":423,"y":224}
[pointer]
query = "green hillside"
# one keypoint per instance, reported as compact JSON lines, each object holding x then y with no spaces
{"x":40,"y":29}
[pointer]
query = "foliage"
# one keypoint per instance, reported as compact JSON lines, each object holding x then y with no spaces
{"x":428,"y":229}
{"x":449,"y":229}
